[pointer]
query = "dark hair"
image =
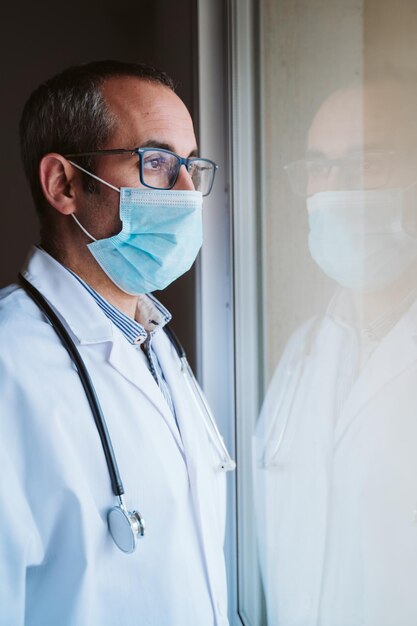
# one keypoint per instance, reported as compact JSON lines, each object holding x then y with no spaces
{"x":68,"y":114}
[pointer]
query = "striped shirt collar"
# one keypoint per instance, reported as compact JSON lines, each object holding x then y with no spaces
{"x":151,"y":315}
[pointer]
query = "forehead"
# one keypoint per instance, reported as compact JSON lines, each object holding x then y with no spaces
{"x":146,"y":111}
{"x":379,"y":115}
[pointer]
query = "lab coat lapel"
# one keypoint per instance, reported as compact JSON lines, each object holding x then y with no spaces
{"x":201,"y":468}
{"x":70,"y":299}
{"x":395,"y":354}
{"x":88,"y":325}
{"x":126,"y":362}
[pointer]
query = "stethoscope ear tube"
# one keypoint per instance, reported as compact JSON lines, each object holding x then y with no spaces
{"x":175,"y":342}
{"x":91,"y":394}
{"x":227,"y":463}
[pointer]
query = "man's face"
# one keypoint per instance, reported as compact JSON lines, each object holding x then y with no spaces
{"x":146,"y":114}
{"x":372,"y":132}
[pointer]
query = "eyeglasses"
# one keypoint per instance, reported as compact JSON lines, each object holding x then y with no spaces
{"x":366,"y":170}
{"x":159,"y":168}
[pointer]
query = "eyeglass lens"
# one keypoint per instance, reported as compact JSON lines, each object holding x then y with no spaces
{"x":160,"y":170}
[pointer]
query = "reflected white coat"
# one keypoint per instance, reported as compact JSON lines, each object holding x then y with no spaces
{"x":58,"y":563}
{"x":337,"y":503}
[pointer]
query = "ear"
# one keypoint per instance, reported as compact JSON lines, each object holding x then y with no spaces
{"x":59,"y":182}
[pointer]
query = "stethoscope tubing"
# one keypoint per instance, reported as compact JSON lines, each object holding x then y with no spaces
{"x":195,"y":392}
{"x":61,"y":331}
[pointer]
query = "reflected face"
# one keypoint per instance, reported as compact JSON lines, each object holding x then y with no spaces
{"x":363,"y":139}
{"x":146,"y":114}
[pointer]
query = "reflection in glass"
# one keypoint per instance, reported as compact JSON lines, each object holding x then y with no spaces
{"x":335,"y":447}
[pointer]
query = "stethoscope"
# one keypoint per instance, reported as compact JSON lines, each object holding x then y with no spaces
{"x":125,"y":526}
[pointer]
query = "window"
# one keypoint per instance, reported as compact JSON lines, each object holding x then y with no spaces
{"x":324,"y":192}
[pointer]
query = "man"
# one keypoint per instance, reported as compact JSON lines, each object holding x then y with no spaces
{"x":110,"y":154}
{"x":335,"y":462}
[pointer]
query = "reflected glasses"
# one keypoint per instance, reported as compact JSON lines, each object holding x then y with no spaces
{"x":160,"y":168}
{"x":365,"y":170}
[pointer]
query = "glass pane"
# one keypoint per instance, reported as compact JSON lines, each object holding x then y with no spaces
{"x":335,"y":444}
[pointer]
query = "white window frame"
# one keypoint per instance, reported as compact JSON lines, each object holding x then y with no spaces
{"x":228,"y":302}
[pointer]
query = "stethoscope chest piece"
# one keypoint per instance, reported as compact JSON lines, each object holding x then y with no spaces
{"x":125,"y":528}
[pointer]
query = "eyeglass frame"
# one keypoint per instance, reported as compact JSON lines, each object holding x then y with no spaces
{"x":186,"y":161}
{"x":335,"y":162}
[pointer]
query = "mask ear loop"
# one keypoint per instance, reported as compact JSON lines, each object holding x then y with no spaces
{"x":82,"y":228}
{"x":101,"y":181}
{"x":94,"y":176}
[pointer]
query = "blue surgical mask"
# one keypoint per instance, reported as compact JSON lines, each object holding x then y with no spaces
{"x":358,"y":237}
{"x":159,"y":241}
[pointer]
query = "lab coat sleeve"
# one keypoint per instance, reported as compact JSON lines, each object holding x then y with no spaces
{"x":269,"y":456}
{"x":20,"y":545}
{"x":20,"y":542}
{"x":294,"y":353}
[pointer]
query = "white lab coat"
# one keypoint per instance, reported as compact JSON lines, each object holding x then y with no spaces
{"x":337,"y":507}
{"x":58,"y":562}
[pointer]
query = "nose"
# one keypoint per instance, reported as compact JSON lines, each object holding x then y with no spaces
{"x":334,"y":177}
{"x":329,"y":180}
{"x":184,"y":181}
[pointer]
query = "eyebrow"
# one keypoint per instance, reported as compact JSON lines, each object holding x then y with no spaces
{"x":152,"y":143}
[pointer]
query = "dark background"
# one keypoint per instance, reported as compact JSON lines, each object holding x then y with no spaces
{"x":40,"y":39}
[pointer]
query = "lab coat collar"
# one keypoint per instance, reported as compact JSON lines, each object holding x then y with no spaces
{"x":66,"y":294}
{"x":394,"y":354}
{"x":88,"y":324}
